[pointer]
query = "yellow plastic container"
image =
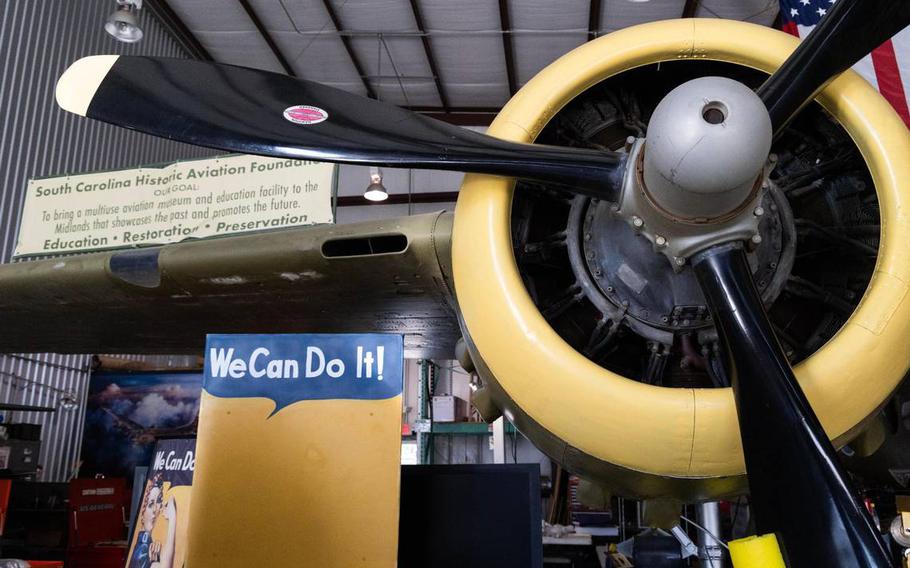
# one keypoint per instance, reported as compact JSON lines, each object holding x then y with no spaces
{"x":756,"y":552}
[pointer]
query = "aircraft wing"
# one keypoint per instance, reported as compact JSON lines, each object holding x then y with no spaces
{"x":124,"y":422}
{"x":382,"y":276}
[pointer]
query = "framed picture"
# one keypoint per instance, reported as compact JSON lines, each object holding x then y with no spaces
{"x":127,"y":412}
{"x":159,"y":536}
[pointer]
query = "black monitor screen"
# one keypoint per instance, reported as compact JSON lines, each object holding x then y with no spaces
{"x":470,"y":516}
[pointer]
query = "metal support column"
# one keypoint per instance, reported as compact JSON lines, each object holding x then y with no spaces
{"x":710,"y":552}
{"x":423,"y":425}
{"x":499,"y":440}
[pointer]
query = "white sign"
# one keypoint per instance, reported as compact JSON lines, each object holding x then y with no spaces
{"x":151,"y":206}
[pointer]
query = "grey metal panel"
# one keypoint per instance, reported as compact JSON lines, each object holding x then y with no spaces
{"x":761,"y":12}
{"x":38,"y":40}
{"x":227,"y":33}
{"x":619,"y":14}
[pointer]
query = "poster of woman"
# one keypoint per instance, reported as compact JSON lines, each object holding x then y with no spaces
{"x":159,"y":536}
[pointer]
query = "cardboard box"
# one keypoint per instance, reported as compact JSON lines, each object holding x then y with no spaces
{"x":449,"y":409}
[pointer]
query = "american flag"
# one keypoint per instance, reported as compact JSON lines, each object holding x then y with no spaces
{"x":887,"y":68}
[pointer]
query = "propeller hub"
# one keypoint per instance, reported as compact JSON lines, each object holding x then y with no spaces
{"x":707,"y":144}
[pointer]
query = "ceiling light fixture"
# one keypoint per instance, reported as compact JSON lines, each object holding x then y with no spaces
{"x":376,"y":191}
{"x":123,"y":23}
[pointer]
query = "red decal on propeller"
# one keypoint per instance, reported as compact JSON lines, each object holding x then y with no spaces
{"x":304,"y":114}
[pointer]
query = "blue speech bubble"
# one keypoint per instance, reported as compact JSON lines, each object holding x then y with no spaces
{"x":288,"y":368}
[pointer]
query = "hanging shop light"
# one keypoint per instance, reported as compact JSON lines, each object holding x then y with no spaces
{"x":376,"y":191}
{"x":123,"y":23}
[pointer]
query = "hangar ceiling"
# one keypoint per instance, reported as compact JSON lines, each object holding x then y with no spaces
{"x":430,"y":55}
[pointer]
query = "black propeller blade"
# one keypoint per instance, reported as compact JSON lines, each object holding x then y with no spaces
{"x":799,"y":490}
{"x":797,"y":485}
{"x":258,"y":112}
{"x":848,"y":32}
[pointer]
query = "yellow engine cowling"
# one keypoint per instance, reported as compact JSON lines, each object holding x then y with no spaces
{"x":643,"y":440}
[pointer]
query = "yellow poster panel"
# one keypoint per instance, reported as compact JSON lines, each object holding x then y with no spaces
{"x":300,"y":465}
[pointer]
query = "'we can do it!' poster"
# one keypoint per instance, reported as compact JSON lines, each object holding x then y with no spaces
{"x":159,"y":539}
{"x":299,"y":452}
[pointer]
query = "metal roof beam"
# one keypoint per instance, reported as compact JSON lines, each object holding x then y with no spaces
{"x":594,"y":20}
{"x":690,"y":8}
{"x":418,"y":18}
{"x":171,"y":22}
{"x":507,"y":47}
{"x":267,"y":37}
{"x":349,"y":48}
{"x":399,"y":199}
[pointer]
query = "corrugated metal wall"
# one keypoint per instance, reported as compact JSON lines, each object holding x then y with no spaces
{"x":38,"y":40}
